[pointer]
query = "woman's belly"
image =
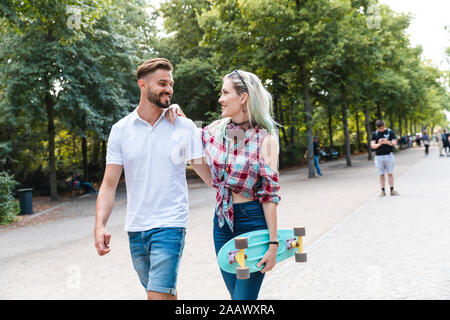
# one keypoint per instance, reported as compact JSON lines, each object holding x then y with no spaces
{"x":237,"y":198}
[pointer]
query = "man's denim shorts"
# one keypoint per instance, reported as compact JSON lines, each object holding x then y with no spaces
{"x":156,"y":256}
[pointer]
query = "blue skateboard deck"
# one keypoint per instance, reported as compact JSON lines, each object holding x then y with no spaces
{"x":258,"y":244}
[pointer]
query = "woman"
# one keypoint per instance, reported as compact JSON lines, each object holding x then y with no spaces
{"x":242,"y":153}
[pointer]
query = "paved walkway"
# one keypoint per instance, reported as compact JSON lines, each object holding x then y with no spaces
{"x":359,"y":246}
{"x":388,"y":248}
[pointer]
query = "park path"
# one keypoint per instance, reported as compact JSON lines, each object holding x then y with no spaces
{"x":57,"y":259}
{"x":388,"y":248}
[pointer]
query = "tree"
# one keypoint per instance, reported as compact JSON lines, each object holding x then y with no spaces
{"x":70,"y":64}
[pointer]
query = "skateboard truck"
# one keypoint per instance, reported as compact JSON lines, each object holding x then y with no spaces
{"x":234,"y":256}
{"x":242,"y":272}
{"x":299,"y":232}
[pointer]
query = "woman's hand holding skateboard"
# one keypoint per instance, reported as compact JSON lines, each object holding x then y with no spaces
{"x":269,"y":259}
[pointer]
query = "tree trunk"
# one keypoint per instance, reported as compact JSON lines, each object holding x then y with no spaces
{"x":304,"y":79}
{"x":330,"y":126}
{"x":292,"y":128}
{"x":379,"y":113}
{"x":85,"y":158}
{"x":97,"y":146}
{"x":411,"y":127}
{"x":391,"y":120}
{"x":103,"y":154}
{"x":345,"y":123}
{"x":358,"y":137}
{"x":51,"y":147}
{"x":49,"y":105}
{"x":84,"y":149}
{"x":283,"y":131}
{"x":74,"y":146}
{"x":368,"y":132}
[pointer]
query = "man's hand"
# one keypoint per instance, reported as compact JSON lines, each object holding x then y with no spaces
{"x":173,"y":111}
{"x":102,"y":239}
{"x":104,"y":205}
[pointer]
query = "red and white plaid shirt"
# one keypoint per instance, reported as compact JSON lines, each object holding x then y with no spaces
{"x":241,"y":169}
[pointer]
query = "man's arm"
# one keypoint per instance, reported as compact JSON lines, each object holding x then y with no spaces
{"x":199,"y":165}
{"x":374,"y":144}
{"x":202,"y":169}
{"x":392,"y":143}
{"x":104,"y":206}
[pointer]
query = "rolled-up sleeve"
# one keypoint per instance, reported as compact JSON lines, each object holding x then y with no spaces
{"x":270,"y":185}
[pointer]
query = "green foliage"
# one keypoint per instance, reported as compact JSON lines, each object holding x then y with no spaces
{"x":200,"y":98}
{"x":56,"y":78}
{"x":9,"y":208}
{"x":61,"y":88}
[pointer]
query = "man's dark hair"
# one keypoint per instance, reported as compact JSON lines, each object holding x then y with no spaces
{"x":152,"y":65}
{"x":379,"y":123}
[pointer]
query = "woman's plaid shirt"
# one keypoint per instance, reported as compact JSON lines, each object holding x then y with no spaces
{"x":239,"y":168}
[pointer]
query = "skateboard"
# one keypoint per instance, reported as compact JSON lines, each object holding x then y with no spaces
{"x":240,"y":255}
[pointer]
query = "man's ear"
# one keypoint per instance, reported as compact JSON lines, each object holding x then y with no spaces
{"x":141,"y":83}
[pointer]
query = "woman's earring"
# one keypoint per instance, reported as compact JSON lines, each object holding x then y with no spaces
{"x":244,"y":109}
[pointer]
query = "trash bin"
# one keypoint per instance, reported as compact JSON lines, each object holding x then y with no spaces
{"x":26,"y":200}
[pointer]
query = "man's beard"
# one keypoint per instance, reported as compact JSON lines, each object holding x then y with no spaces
{"x":156,"y":99}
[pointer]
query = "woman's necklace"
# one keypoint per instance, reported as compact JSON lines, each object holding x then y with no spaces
{"x":239,"y":123}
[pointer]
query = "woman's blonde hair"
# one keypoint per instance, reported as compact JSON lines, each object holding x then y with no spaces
{"x":258,"y":104}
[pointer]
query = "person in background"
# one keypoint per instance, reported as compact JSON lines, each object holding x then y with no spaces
{"x":440,"y":142}
{"x":445,"y":143}
{"x":78,"y":182}
{"x":426,"y":141}
{"x":383,"y":141}
{"x":316,"y":149}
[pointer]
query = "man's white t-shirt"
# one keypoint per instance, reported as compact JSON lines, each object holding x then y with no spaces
{"x":154,"y":161}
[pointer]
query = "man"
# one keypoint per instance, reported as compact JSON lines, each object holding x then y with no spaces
{"x":316,"y":155}
{"x":383,"y":142}
{"x":153,"y":153}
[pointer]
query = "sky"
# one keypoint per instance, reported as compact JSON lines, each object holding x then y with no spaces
{"x":427,"y":28}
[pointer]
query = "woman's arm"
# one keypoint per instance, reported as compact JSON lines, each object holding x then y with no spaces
{"x":270,"y":156}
